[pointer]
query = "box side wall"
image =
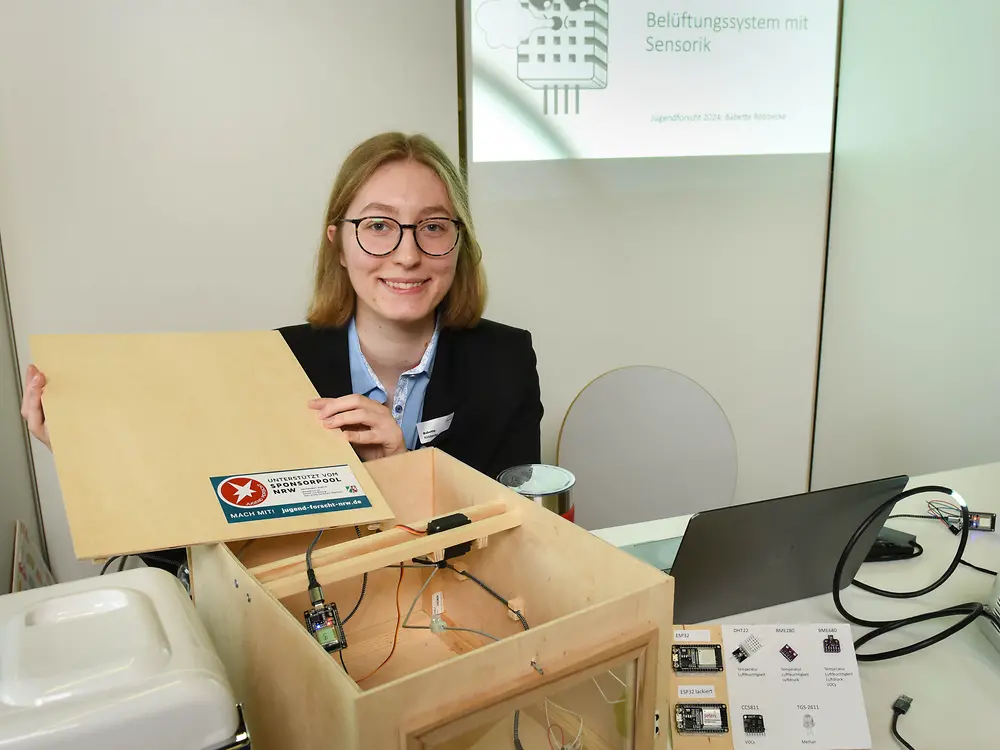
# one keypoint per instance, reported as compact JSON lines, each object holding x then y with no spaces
{"x":406,"y":482}
{"x":263,"y":550}
{"x":603,"y":724}
{"x":556,"y":566}
{"x":457,"y":485}
{"x":293,"y":693}
{"x":501,"y":670}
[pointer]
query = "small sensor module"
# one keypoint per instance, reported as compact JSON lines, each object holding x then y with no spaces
{"x":701,"y":718}
{"x":696,"y":658}
{"x":753,"y":724}
{"x":750,"y":646}
{"x":323,"y":622}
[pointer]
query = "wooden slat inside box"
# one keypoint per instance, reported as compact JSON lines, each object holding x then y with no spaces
{"x":591,"y":609}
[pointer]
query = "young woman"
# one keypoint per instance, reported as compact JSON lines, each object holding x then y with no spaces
{"x":395,"y":344}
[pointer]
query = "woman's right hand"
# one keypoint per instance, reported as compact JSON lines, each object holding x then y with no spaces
{"x":31,"y":405}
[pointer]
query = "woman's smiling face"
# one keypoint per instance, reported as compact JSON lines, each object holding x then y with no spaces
{"x":407,"y":285}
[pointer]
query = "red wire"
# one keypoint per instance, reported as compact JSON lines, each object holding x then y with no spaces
{"x":410,"y":529}
{"x":562,"y":737}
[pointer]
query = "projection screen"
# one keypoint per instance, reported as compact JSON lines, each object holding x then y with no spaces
{"x":602,"y":79}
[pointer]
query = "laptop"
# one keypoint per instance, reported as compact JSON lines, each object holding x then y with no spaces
{"x":747,"y":557}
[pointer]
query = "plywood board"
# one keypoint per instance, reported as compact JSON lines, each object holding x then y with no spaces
{"x":294,"y":694}
{"x":141,"y":425}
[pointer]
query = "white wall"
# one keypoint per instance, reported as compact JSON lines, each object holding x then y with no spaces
{"x":164,"y":164}
{"x":911,"y":341}
{"x":708,"y":266}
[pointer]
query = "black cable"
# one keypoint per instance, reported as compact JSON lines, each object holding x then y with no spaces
{"x":897,"y":735}
{"x":316,"y":591}
{"x":900,"y":707}
{"x":310,"y":548}
{"x":918,"y":552}
{"x":341,"y":655}
{"x":524,"y":624}
{"x":969,"y":612}
{"x":123,"y":559}
{"x":517,"y":739}
{"x":491,"y":592}
{"x":364,"y":588}
{"x":163,"y":560}
{"x":931,"y":516}
{"x":987,"y":571}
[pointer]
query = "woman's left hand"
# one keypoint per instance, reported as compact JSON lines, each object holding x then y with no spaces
{"x":367,"y":425}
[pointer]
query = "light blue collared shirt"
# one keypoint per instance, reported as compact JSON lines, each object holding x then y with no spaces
{"x":408,"y":401}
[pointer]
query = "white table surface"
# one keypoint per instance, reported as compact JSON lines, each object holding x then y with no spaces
{"x":955,"y":685}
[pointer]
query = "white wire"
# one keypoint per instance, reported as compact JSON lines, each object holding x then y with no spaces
{"x":577,"y":742}
{"x":450,"y":629}
{"x":606,"y":698}
{"x":413,"y":605}
{"x":417,"y":599}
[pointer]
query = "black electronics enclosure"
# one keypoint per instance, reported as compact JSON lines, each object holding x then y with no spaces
{"x":437,"y":525}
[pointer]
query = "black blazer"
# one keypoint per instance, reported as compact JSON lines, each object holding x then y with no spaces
{"x":486,"y":376}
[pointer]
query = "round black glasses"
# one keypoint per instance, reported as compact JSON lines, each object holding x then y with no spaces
{"x":380,"y":235}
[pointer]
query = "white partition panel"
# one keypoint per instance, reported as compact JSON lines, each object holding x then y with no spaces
{"x":164,"y":164}
{"x":711,"y":267}
{"x":911,"y":342}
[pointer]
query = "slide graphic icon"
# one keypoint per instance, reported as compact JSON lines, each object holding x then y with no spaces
{"x":562,"y":45}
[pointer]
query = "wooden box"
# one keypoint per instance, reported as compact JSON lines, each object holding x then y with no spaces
{"x":543,"y":623}
{"x":598,"y":620}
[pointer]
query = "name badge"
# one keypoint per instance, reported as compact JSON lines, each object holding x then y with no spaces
{"x":433,"y":427}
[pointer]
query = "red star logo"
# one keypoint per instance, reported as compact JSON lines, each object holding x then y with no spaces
{"x":243,"y":491}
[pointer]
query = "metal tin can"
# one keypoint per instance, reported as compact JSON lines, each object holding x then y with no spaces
{"x":547,"y":485}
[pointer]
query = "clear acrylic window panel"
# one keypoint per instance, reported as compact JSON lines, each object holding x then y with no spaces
{"x":595,"y":709}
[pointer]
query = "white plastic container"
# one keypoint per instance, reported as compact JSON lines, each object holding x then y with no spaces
{"x":117,"y":661}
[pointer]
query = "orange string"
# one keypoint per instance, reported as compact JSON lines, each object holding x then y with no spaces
{"x":395,"y":636}
{"x":413,"y":531}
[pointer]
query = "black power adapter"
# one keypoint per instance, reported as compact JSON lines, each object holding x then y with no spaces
{"x":893,"y":545}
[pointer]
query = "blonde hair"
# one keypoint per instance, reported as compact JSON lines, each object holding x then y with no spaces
{"x":333,"y":296}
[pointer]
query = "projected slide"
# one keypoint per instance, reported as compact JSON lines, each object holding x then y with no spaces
{"x":600,"y":79}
